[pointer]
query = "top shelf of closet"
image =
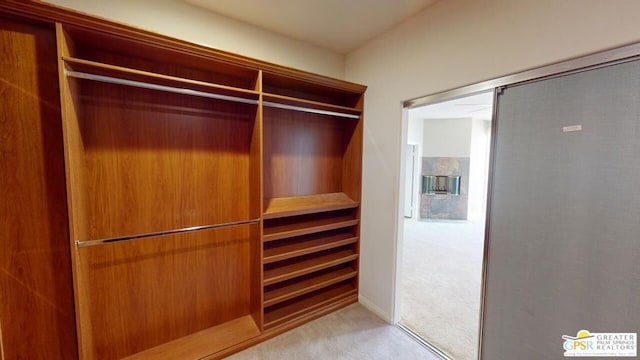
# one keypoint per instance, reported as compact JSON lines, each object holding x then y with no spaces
{"x":103,"y":54}
{"x":341,"y":97}
{"x":86,"y":69}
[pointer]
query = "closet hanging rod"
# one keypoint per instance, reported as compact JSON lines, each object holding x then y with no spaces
{"x":163,"y":233}
{"x":309,"y":110}
{"x":144,"y":85}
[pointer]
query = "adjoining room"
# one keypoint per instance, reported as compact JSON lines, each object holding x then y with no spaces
{"x":448,"y":147}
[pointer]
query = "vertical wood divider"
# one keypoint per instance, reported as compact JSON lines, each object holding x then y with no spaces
{"x":1,"y":343}
{"x":257,"y":209}
{"x":72,"y":142}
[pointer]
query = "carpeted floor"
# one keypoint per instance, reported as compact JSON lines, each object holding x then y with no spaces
{"x":441,"y":279}
{"x":350,"y":333}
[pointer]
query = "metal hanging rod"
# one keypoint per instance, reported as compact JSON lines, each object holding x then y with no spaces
{"x":309,"y":110}
{"x":163,"y":233}
{"x":144,"y":85}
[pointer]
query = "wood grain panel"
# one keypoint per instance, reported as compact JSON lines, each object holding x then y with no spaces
{"x":147,"y":292}
{"x":154,"y":161}
{"x":352,"y":161}
{"x":36,"y":298}
{"x":303,"y":153}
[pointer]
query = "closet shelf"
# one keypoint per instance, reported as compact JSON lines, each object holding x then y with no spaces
{"x":91,"y":70}
{"x":308,"y":204}
{"x":290,"y":271}
{"x":203,"y":343}
{"x":291,"y":103}
{"x":305,"y":286}
{"x":303,"y":246}
{"x":278,"y":232}
{"x":281,"y":313}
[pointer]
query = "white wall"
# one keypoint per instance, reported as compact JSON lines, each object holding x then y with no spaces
{"x":478,"y":168}
{"x":451,"y":44}
{"x":416,"y":132}
{"x":188,"y":22}
{"x":447,"y":138}
{"x":415,"y":136}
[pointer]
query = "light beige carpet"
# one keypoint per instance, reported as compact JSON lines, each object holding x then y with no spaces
{"x":350,"y":333}
{"x":440,"y":284}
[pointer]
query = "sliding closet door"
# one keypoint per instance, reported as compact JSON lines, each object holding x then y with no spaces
{"x":564,"y":233}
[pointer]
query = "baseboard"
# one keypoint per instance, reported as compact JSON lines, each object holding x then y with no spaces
{"x":374,"y":309}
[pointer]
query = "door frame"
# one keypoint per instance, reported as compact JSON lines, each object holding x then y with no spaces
{"x":591,"y":61}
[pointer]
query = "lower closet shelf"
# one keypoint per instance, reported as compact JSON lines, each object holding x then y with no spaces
{"x":303,"y":286}
{"x":203,"y":343}
{"x":289,"y":310}
{"x":307,"y":266}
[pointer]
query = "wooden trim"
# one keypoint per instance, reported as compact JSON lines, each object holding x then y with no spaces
{"x":47,"y":12}
{"x":1,"y":343}
{"x":203,"y":343}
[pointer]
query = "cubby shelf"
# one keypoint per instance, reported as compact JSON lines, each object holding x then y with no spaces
{"x":307,"y":245}
{"x":294,"y":308}
{"x":306,"y":266}
{"x":307,"y":204}
{"x":307,"y":227}
{"x":307,"y":285}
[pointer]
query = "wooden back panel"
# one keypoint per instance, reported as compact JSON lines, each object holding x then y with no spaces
{"x":302,"y":153}
{"x":36,"y":297}
{"x":153,"y":161}
{"x":143,"y":293}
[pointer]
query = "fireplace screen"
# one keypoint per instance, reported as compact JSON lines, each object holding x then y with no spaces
{"x":441,"y":184}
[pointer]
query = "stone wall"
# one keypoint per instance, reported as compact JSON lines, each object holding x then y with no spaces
{"x":441,"y":206}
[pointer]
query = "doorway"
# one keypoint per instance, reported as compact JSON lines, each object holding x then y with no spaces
{"x":442,"y":247}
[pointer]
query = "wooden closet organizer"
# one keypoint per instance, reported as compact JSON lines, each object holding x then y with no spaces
{"x":214,"y":200}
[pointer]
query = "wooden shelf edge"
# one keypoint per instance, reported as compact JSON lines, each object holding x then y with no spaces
{"x":309,"y":309}
{"x":307,"y":204}
{"x":309,"y":230}
{"x":97,"y":68}
{"x":203,"y":343}
{"x":288,"y":100}
{"x":279,"y":329}
{"x":308,"y":270}
{"x":309,"y":250}
{"x":311,"y":287}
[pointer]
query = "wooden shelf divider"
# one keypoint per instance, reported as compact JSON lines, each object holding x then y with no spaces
{"x":307,"y":204}
{"x":307,"y":227}
{"x":307,"y":266}
{"x":305,"y":286}
{"x":284,"y":312}
{"x":304,"y":246}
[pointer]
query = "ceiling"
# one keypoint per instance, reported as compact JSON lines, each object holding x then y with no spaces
{"x":338,"y":25}
{"x":479,"y":106}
